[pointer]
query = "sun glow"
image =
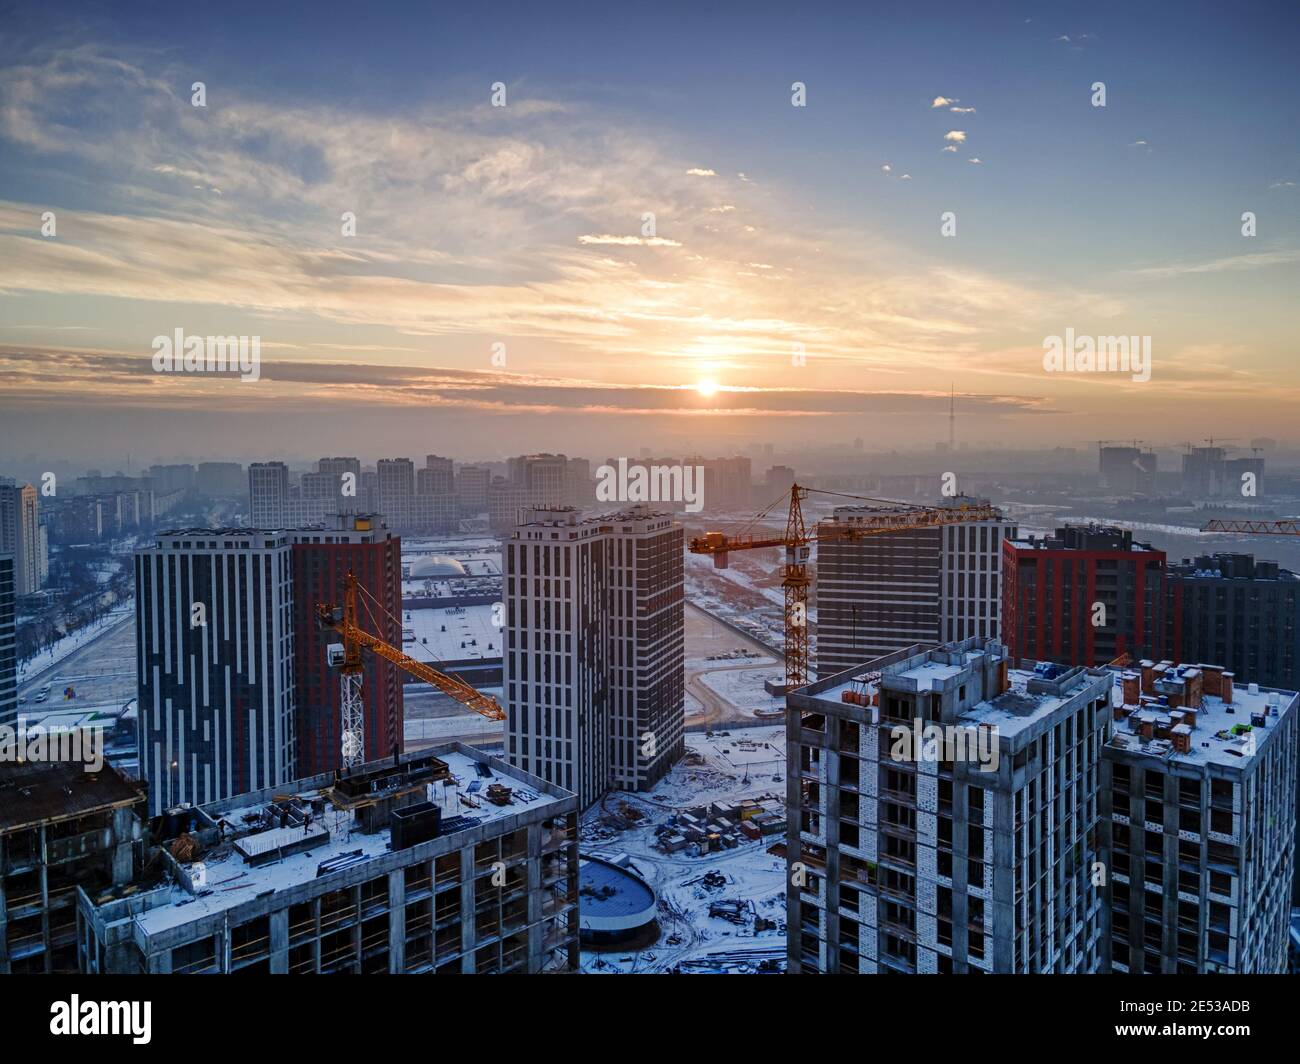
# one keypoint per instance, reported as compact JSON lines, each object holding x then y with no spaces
{"x":706,"y":388}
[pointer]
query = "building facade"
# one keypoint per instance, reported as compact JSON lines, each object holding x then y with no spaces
{"x":969,"y":848}
{"x":62,"y":831}
{"x":322,"y":558}
{"x":1239,"y":612}
{"x":392,"y":867}
{"x":268,"y":490}
{"x":594,"y":643}
{"x":1198,"y":814}
{"x":1084,"y":596}
{"x":215,"y":664}
{"x":8,"y":643}
{"x":20,"y":535}
{"x":877,"y":594}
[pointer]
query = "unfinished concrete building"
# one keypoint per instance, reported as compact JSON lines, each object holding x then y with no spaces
{"x":446,"y":861}
{"x":943,"y":815}
{"x":1198,"y":812}
{"x":62,"y":830}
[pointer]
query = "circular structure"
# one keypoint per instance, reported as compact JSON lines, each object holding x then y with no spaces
{"x":615,"y":905}
{"x":436,"y":565}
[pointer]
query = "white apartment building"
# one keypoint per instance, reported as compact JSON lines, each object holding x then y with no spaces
{"x":881,"y":593}
{"x":20,"y":535}
{"x":268,"y":490}
{"x":594,"y":641}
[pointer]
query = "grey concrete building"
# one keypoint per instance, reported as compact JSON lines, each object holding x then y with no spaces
{"x":1198,"y":812}
{"x":63,"y":832}
{"x":8,"y":643}
{"x":446,"y":861}
{"x":943,"y":816}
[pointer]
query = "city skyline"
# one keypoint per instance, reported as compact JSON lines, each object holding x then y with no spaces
{"x":796,"y":268}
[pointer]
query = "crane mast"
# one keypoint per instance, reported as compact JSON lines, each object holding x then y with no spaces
{"x":346,"y":656}
{"x":797,"y":544}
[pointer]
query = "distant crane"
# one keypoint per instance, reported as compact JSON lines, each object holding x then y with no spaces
{"x":346,"y":657}
{"x":797,"y":543}
{"x":1287,"y":527}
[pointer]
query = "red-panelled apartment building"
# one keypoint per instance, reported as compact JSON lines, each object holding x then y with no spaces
{"x":321,"y":560}
{"x":1083,"y":596}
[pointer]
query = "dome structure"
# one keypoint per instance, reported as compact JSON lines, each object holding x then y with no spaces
{"x":436,"y":566}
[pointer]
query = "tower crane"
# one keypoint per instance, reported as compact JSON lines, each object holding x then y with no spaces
{"x":346,"y":656}
{"x":797,"y":543}
{"x":1288,"y":527}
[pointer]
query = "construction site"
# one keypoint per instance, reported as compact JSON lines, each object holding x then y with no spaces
{"x":445,"y":862}
{"x":709,"y":841}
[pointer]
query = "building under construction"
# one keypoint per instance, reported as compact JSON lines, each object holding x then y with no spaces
{"x":61,"y":829}
{"x":446,"y":861}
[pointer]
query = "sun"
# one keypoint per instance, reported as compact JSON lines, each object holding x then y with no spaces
{"x":706,"y":388}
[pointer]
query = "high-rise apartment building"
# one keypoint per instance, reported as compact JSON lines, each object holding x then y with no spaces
{"x":877,"y":594}
{"x":728,"y":482}
{"x":594,"y":637}
{"x":1128,"y":470}
{"x":1208,"y":473}
{"x":322,"y":558}
{"x":216,"y":479}
{"x":268,"y":490}
{"x":1239,"y":612}
{"x":437,"y":477}
{"x":215,"y":663}
{"x":943,"y":816}
{"x":580,"y":489}
{"x":1084,"y":596}
{"x":396,"y":490}
{"x":544,"y":478}
{"x":178,"y":477}
{"x":20,"y":534}
{"x":505,"y":501}
{"x":8,"y":643}
{"x":1198,"y":804}
{"x":472,"y":489}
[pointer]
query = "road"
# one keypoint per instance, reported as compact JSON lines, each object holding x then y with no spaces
{"x":101,"y":671}
{"x":705,"y":636}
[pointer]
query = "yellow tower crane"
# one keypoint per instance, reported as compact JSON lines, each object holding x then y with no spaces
{"x":797,"y":543}
{"x":346,"y":657}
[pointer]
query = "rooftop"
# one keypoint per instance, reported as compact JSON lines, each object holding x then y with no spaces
{"x":237,"y":869}
{"x":34,"y":793}
{"x":454,"y":633}
{"x":1223,"y":733}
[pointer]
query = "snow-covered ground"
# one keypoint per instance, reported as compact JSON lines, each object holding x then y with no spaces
{"x":70,"y":643}
{"x":744,"y":763}
{"x":744,"y":687}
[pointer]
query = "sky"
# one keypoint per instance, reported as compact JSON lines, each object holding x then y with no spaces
{"x":648,"y":245}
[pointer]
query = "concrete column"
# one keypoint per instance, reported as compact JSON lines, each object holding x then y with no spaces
{"x":397,"y":921}
{"x":468,"y":927}
{"x":45,"y":898}
{"x":279,"y":942}
{"x":315,"y":943}
{"x":536,"y":932}
{"x":4,"y":907}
